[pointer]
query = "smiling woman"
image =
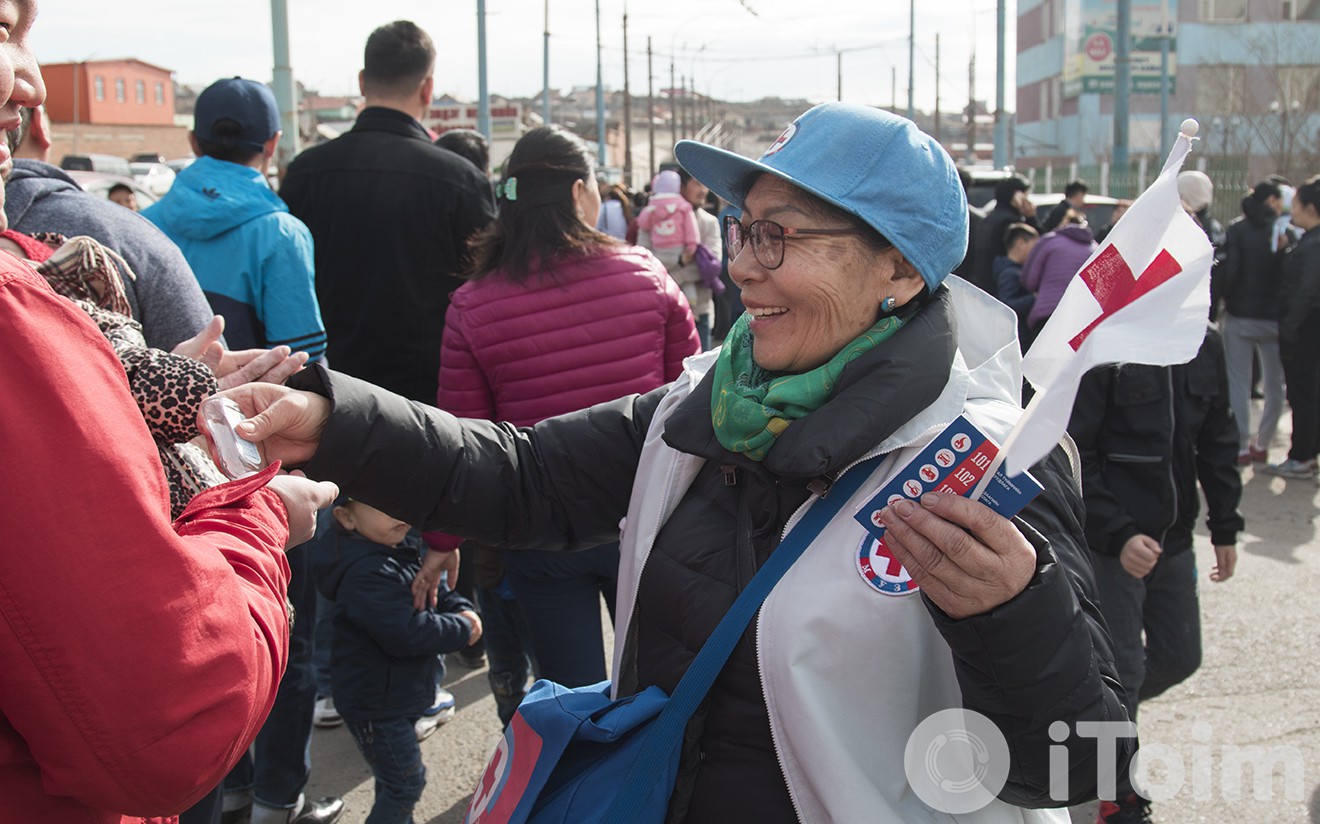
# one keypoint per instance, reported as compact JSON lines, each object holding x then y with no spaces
{"x":857,"y":345}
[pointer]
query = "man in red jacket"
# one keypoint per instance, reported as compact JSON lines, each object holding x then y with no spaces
{"x":140,"y":655}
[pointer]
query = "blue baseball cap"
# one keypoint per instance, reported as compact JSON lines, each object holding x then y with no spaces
{"x":874,"y":165}
{"x":246,"y":102}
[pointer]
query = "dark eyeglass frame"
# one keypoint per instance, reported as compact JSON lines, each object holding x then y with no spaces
{"x":772,"y":237}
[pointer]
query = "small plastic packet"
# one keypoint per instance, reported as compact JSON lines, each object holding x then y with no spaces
{"x":238,"y":458}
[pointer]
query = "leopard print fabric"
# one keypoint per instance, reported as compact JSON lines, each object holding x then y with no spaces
{"x":169,"y":390}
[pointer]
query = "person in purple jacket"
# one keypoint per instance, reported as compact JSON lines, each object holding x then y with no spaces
{"x":1057,"y":257}
{"x":556,"y":317}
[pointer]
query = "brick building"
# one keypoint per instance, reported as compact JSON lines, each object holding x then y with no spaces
{"x":117,"y":107}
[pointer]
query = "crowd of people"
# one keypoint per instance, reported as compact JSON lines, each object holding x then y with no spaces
{"x":1153,"y":440}
{"x":485,"y":404}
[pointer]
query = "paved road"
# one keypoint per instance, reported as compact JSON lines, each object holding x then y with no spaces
{"x":1256,"y":687}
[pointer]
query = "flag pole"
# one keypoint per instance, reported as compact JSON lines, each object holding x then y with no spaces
{"x":1187,"y":132}
{"x":998,"y":461}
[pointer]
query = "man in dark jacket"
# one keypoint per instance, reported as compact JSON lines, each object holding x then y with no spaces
{"x":1011,"y":206}
{"x":1074,"y":197}
{"x":1248,"y":283}
{"x":1147,"y":435}
{"x":1299,"y":335}
{"x":390,"y":214}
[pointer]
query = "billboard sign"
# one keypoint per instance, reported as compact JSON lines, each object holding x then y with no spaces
{"x":1090,"y":27}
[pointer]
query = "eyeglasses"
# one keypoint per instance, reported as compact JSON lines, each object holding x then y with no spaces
{"x":767,"y":238}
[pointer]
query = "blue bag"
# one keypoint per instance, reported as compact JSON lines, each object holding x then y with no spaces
{"x":573,"y":756}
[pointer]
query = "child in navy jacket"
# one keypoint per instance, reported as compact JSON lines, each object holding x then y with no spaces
{"x":385,"y":664}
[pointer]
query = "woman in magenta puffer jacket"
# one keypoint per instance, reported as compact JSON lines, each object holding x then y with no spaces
{"x":556,"y":318}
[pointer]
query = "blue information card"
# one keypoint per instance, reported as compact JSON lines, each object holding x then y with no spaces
{"x":955,"y":461}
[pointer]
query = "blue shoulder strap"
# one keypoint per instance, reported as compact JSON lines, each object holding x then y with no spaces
{"x":665,"y":733}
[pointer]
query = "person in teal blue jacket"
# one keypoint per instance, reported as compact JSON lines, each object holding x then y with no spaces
{"x":254,"y":262}
{"x":252,"y":258}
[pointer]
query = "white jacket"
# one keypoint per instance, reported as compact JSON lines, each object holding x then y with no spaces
{"x":847,"y":677}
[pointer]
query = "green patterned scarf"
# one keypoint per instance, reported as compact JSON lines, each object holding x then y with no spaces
{"x":751,"y":407}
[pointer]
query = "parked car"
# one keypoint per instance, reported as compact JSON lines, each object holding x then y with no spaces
{"x":100,"y":183}
{"x":179,"y":164}
{"x":156,"y":178}
{"x":147,"y":157}
{"x":1099,"y":209}
{"x":108,"y":164}
{"x":981,"y":189}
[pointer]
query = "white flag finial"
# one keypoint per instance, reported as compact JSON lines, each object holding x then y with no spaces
{"x":1190,"y":127}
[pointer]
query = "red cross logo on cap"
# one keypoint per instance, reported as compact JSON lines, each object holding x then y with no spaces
{"x":782,"y":140}
{"x":1110,"y":279}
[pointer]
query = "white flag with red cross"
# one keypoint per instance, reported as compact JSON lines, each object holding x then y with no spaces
{"x":1142,"y":297}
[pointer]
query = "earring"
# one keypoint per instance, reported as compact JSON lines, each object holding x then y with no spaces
{"x":580,"y":213}
{"x":887,"y":305}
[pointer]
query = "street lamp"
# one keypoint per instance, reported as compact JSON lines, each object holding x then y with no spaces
{"x":600,"y":97}
{"x":1166,"y":32}
{"x":689,"y":92}
{"x":545,"y":86}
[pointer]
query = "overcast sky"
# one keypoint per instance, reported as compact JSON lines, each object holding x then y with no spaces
{"x":736,"y":49}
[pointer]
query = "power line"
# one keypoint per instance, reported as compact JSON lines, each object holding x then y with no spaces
{"x":704,"y":55}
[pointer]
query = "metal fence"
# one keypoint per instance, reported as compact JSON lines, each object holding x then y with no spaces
{"x":1230,"y":175}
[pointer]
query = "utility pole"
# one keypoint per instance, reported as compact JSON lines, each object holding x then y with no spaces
{"x":545,"y":72}
{"x":912,"y":58}
{"x":1166,"y":30}
{"x":650,"y":109}
{"x":627,"y":108}
{"x":483,"y":95}
{"x":683,"y":108}
{"x":286,"y":95}
{"x":690,"y":95}
{"x":1001,"y":117}
{"x":893,"y":89}
{"x":938,"y":129}
{"x":673,"y":104}
{"x":971,"y":110}
{"x":839,"y":69}
{"x":1122,"y":85}
{"x":600,"y":98}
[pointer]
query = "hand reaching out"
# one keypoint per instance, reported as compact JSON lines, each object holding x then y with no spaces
{"x":286,"y":422}
{"x":302,"y":498}
{"x":426,"y":585}
{"x":242,"y":366}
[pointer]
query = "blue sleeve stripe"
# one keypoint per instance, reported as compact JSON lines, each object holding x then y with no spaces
{"x":302,"y":341}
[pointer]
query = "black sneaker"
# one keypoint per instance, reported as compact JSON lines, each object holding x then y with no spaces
{"x":472,"y":659}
